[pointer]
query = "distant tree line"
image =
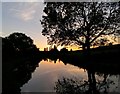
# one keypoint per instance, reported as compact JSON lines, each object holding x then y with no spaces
{"x":56,"y":50}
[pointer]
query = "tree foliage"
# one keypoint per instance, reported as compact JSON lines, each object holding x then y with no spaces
{"x":21,"y":42}
{"x":7,"y":48}
{"x":64,"y":50}
{"x":18,"y":44}
{"x":80,"y":23}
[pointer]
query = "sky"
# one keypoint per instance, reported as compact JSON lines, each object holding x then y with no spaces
{"x":23,"y":17}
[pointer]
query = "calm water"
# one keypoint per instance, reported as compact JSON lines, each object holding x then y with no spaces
{"x":47,"y":73}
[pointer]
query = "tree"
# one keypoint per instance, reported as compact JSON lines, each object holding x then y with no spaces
{"x":54,"y":50}
{"x":7,"y":49}
{"x":80,"y":23}
{"x":64,"y":50}
{"x":21,"y":43}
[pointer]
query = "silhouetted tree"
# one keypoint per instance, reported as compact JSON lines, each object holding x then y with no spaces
{"x":7,"y":49}
{"x":53,"y":54}
{"x":64,"y":50}
{"x":54,"y":48}
{"x":80,"y":23}
{"x":22,"y":43}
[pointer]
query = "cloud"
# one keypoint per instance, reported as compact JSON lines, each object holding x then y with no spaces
{"x":26,"y":15}
{"x":25,"y":11}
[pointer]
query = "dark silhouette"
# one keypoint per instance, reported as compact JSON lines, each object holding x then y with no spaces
{"x":17,"y":69}
{"x":102,"y":59}
{"x":64,"y":50}
{"x":18,"y":45}
{"x":73,"y":86}
{"x":54,"y":50}
{"x":84,"y":24}
{"x":92,"y":86}
{"x":53,"y":54}
{"x":20,"y":57}
{"x":22,"y":43}
{"x":80,"y":23}
{"x":7,"y":49}
{"x":16,"y":73}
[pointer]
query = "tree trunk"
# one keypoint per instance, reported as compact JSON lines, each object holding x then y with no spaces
{"x":87,"y":52}
{"x":91,"y":73}
{"x":88,"y":47}
{"x":83,"y":47}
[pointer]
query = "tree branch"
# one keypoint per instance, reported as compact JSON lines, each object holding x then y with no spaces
{"x":79,"y":41}
{"x":104,"y":27}
{"x":98,"y":34}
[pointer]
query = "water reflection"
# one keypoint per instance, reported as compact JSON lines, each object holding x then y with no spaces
{"x":16,"y":74}
{"x":40,"y":76}
{"x":73,"y":86}
{"x":48,"y":73}
{"x":92,"y":85}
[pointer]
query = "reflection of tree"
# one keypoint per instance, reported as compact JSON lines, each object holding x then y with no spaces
{"x":15,"y":76}
{"x":73,"y":86}
{"x":92,"y":82}
{"x":119,"y":83}
{"x":104,"y":84}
